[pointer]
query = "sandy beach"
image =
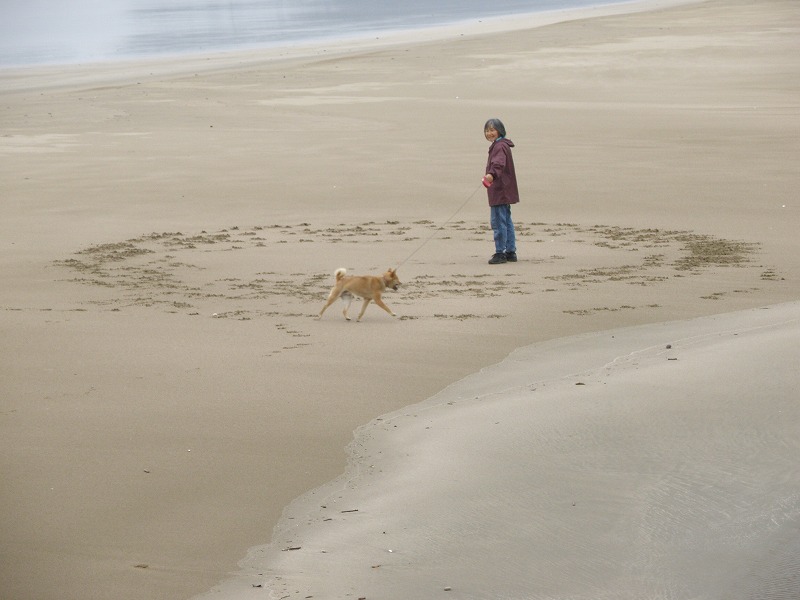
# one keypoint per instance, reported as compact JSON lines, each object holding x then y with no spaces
{"x":170,"y":231}
{"x":603,"y":465}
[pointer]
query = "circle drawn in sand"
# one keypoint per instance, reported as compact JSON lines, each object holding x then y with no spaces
{"x":235,"y":273}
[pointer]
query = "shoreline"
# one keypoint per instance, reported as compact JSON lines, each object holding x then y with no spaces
{"x":167,"y":243}
{"x":23,"y":77}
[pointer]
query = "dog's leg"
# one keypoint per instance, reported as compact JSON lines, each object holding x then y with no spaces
{"x":335,"y":293}
{"x":363,"y":308}
{"x":380,"y":303}
{"x":347,"y":304}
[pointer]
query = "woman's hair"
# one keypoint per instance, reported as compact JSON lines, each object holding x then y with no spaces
{"x":497,"y":125}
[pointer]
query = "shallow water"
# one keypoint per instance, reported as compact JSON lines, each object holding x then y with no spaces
{"x":56,"y":32}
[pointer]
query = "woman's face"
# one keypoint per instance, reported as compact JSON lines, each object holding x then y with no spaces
{"x":491,"y":134}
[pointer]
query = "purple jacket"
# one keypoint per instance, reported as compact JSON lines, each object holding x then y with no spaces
{"x":501,"y":167}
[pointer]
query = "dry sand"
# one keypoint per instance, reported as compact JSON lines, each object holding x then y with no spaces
{"x":170,"y":230}
{"x":605,"y":465}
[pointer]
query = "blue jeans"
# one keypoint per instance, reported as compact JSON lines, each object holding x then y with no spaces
{"x":503,"y":227}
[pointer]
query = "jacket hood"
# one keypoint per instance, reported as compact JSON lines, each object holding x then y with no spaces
{"x":505,"y":141}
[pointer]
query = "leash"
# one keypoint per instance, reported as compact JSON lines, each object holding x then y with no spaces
{"x":440,"y":227}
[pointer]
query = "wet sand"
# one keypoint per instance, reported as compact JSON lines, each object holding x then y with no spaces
{"x":171,"y":230}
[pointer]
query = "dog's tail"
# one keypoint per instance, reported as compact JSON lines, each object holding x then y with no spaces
{"x":340,"y":273}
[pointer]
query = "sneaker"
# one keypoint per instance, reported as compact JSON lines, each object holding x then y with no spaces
{"x":497,"y":259}
{"x":511,"y":256}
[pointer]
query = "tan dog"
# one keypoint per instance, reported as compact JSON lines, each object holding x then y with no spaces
{"x":368,"y":287}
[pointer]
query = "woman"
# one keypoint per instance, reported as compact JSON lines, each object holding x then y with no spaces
{"x":501,"y":185}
